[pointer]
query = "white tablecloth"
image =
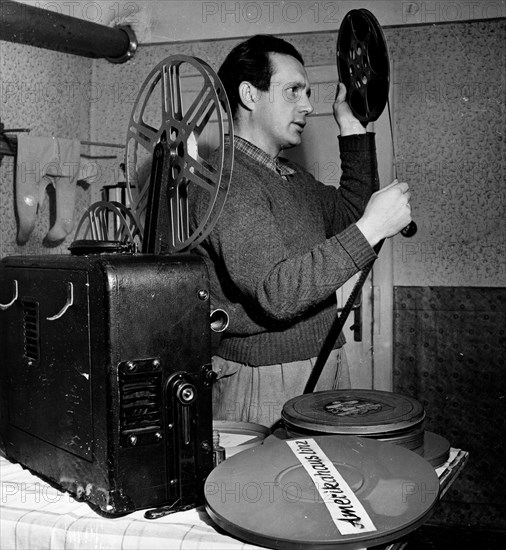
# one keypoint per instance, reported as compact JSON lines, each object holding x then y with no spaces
{"x":35,"y":515}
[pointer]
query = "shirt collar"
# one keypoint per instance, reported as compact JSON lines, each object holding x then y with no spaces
{"x":277,"y":165}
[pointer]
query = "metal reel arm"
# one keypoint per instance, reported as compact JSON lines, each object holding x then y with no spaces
{"x":164,"y":117}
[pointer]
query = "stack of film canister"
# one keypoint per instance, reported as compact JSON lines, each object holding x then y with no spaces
{"x":381,"y":415}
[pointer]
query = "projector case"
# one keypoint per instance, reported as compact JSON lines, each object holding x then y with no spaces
{"x":99,"y":400}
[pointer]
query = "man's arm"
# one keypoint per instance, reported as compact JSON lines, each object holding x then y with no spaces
{"x":388,"y":211}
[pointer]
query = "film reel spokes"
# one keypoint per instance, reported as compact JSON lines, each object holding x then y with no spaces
{"x":180,"y":116}
{"x":107,"y":225}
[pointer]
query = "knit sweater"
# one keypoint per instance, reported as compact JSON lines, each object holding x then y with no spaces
{"x":280,"y":250}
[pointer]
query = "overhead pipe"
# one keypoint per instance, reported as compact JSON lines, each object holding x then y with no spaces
{"x":42,"y":28}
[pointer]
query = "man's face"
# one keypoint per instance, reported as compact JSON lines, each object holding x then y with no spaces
{"x":280,"y":113}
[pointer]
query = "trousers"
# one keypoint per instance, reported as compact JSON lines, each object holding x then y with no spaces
{"x":245,"y":393}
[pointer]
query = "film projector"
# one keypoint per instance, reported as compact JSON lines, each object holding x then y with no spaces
{"x":106,"y":372}
{"x":106,"y":377}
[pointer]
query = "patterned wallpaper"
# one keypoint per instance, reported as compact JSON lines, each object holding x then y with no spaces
{"x":47,"y":93}
{"x":449,"y":86}
{"x":449,"y":353}
{"x":448,"y":82}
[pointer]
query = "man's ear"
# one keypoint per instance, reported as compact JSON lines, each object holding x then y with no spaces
{"x":248,"y":94}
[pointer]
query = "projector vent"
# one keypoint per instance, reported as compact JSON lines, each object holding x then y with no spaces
{"x":140,"y":407}
{"x":31,"y":329}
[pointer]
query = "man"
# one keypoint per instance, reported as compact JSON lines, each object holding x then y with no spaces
{"x":285,"y":243}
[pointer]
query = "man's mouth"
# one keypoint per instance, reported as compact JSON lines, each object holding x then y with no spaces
{"x":301,"y":125}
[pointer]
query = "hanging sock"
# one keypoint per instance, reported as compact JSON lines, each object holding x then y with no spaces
{"x":65,"y":185}
{"x":41,"y":161}
{"x":33,"y":155}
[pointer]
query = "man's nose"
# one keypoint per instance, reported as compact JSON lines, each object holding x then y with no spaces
{"x":307,"y":106}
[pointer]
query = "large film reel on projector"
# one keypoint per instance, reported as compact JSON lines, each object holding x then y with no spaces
{"x":181,"y":116}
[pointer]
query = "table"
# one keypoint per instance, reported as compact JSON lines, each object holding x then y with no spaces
{"x":34,"y":514}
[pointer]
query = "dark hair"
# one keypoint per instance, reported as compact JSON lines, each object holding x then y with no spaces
{"x":249,"y":61}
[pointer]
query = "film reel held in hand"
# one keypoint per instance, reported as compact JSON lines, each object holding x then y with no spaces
{"x":166,"y":122}
{"x":364,"y":68}
{"x":362,"y":64}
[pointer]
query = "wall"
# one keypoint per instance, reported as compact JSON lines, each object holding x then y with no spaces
{"x":449,"y":84}
{"x":449,"y":349}
{"x":450,"y":279}
{"x":171,"y":21}
{"x":48,"y":94}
